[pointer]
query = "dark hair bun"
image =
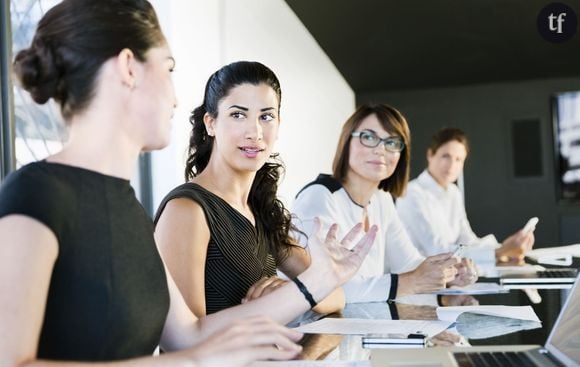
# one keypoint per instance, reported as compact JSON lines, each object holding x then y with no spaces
{"x":37,"y":72}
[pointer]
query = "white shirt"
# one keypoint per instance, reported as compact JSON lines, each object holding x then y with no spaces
{"x":392,"y":251}
{"x":435,"y":219}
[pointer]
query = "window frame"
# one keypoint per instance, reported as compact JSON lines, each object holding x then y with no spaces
{"x":7,"y":153}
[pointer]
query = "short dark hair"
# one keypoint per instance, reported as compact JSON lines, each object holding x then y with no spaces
{"x":393,"y":122}
{"x":445,"y":135}
{"x":72,"y":41}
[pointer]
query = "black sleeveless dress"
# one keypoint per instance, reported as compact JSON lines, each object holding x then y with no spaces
{"x":237,"y":253}
{"x":108,"y":297}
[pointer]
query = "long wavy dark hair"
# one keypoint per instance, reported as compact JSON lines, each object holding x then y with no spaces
{"x":263,"y":200}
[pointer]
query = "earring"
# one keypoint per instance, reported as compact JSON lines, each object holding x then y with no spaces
{"x":131,"y":85}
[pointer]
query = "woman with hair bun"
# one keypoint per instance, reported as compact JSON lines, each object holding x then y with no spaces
{"x":81,"y":277}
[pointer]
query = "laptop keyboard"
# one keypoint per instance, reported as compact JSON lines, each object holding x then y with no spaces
{"x":557,"y":273}
{"x":493,"y":359}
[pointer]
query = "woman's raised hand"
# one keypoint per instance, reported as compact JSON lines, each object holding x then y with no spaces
{"x":336,"y":261}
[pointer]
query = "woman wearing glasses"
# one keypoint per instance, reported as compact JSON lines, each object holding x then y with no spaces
{"x":371,"y":166}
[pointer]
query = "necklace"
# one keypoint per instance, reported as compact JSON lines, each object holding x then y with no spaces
{"x":365,"y":216}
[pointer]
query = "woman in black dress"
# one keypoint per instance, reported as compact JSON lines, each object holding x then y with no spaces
{"x":80,"y":276}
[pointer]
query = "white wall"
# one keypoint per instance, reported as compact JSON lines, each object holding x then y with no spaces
{"x":316,"y":100}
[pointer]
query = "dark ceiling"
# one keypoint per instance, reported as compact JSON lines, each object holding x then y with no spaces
{"x":386,"y":45}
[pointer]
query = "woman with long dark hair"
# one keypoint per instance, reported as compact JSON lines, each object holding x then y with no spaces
{"x":224,"y":233}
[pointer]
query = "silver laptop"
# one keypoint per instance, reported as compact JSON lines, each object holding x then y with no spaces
{"x":562,"y":348}
{"x":548,"y":278}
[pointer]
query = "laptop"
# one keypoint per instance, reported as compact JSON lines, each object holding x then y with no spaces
{"x":548,"y":278}
{"x":561,"y":349}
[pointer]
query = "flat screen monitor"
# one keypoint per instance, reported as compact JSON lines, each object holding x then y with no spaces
{"x":566,"y":121}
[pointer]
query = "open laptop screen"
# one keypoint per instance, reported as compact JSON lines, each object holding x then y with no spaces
{"x":564,"y":340}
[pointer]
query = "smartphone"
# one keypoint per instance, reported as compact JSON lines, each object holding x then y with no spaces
{"x":531,"y":225}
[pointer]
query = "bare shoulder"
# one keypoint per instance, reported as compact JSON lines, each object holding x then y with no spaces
{"x":182,"y":224}
{"x":181,"y":211}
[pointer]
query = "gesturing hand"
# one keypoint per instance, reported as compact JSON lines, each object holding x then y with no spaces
{"x":514,"y":248}
{"x":334,"y":261}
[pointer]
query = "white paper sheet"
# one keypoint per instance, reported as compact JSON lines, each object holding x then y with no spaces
{"x":366,"y":326}
{"x":514,"y":312}
{"x":527,"y":268}
{"x":312,"y":364}
{"x":476,"y":288}
{"x":561,"y":255}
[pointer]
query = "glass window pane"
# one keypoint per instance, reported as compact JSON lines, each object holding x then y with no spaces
{"x":39,"y":130}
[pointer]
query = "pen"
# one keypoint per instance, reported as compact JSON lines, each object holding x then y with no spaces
{"x":459,"y":250}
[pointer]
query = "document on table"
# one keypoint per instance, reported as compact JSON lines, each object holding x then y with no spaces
{"x":366,"y":326}
{"x":527,"y":268}
{"x":476,"y":288}
{"x":561,"y":255}
{"x":312,"y":364}
{"x":478,"y":326}
{"x":514,"y":312}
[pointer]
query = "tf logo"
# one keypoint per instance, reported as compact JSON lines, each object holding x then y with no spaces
{"x":557,"y":22}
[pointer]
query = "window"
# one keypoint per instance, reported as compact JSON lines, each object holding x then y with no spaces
{"x":38,"y":131}
{"x":566,"y":121}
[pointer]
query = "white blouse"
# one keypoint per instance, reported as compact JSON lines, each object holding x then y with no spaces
{"x":392,"y":251}
{"x":436,"y":221}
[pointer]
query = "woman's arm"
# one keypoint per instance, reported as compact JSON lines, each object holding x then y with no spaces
{"x":27,"y":255}
{"x":182,"y":235}
{"x":295,"y":264}
{"x":332,"y":265}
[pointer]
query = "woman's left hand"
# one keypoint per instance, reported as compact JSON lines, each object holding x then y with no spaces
{"x":263,"y":287}
{"x":466,"y":273}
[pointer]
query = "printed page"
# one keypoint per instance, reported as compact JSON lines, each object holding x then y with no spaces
{"x":312,"y":364}
{"x":514,"y":312}
{"x":476,"y":288}
{"x":366,"y":326}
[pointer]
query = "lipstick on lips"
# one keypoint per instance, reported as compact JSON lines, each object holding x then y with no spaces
{"x":251,"y":152}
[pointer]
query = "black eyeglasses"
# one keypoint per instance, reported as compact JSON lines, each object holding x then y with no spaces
{"x":370,"y":139}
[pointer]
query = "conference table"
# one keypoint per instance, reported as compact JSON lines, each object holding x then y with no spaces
{"x":344,"y":348}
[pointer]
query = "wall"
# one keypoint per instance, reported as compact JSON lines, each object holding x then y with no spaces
{"x":496,"y":201}
{"x":204,"y":35}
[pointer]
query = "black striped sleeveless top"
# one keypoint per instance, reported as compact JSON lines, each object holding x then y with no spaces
{"x":237,"y":252}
